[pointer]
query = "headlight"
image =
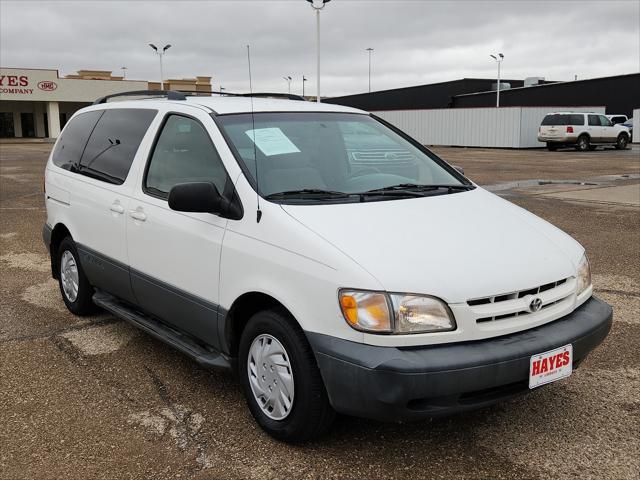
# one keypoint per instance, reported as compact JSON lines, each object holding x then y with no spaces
{"x":380,"y":312}
{"x":584,"y":275}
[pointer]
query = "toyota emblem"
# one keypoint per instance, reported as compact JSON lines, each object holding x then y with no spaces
{"x":535,"y":305}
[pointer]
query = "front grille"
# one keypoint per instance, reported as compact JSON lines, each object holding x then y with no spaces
{"x":516,"y":304}
{"x":382,"y":156}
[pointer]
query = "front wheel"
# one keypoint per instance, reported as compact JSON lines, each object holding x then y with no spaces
{"x":622,"y":142}
{"x":75,"y":288}
{"x":280,"y":379}
{"x":583,"y":143}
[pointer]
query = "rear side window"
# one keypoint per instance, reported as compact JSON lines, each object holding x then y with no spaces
{"x":563,"y":119}
{"x":576,"y":119}
{"x":183,"y":153}
{"x":616,"y":120}
{"x":594,"y":121}
{"x":74,"y":138}
{"x":114,"y":142}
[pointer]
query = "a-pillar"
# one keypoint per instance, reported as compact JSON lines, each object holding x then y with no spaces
{"x":53,"y":118}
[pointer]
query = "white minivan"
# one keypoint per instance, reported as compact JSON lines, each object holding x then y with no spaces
{"x":331,"y":261}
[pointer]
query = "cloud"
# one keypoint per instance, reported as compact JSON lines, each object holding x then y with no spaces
{"x":415,"y":41}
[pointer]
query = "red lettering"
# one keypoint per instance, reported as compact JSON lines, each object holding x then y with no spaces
{"x":13,"y":81}
{"x":2,"y":77}
{"x":553,"y":362}
{"x":536,"y":368}
{"x":565,"y":357}
{"x":545,"y":366}
{"x":24,"y":81}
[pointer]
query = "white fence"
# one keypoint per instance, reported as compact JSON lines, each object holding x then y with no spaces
{"x":505,"y":127}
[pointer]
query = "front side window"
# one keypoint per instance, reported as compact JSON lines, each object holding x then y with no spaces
{"x":183,"y":153}
{"x":594,"y":121}
{"x":74,"y":138}
{"x":604,"y":121}
{"x":330,"y":152}
{"x":114,"y":142}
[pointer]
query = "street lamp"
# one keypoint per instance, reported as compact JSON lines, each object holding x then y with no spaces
{"x":288,"y":80}
{"x":304,"y":79}
{"x":369,"y":50}
{"x":317,"y":6}
{"x":160,"y":54}
{"x":498,"y":60}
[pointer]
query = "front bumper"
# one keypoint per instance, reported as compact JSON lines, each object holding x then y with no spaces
{"x":396,"y":383}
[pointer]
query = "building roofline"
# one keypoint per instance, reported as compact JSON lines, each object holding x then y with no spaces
{"x":547,"y":85}
{"x":424,"y":85}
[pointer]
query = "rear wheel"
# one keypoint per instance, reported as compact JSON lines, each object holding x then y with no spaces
{"x":622,"y":142}
{"x":552,"y":147}
{"x":583,"y":143}
{"x":74,"y":286}
{"x":280,"y":379}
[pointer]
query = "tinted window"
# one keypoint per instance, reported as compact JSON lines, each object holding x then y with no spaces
{"x":563,"y":119}
{"x":183,"y":153}
{"x":74,"y":138}
{"x":576,"y":119}
{"x":616,"y":120}
{"x":114,"y":142}
{"x":594,"y":121}
{"x":604,"y":121}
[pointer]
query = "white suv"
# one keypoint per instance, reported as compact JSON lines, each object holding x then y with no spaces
{"x":333,"y":262}
{"x":584,"y":131}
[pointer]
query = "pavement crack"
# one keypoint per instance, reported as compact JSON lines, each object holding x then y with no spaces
{"x":623,"y":293}
{"x":50,"y":335}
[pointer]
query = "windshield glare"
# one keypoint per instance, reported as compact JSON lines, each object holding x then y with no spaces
{"x":336,"y":152}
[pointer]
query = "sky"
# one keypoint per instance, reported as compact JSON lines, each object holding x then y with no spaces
{"x":414,"y":41}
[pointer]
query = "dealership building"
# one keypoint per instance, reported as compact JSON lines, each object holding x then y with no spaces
{"x":36,"y":103}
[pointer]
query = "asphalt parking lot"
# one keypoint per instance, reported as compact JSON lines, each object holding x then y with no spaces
{"x":94,"y":398}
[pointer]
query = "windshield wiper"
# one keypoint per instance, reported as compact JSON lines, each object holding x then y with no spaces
{"x":307,"y":193}
{"x":414,"y":189}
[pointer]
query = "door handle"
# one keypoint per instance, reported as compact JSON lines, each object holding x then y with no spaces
{"x":116,"y":207}
{"x":138,"y":215}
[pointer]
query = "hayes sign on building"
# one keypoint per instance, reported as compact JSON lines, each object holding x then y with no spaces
{"x":45,"y":85}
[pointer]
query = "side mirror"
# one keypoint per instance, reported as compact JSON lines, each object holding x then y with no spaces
{"x":200,"y":197}
{"x":460,"y":170}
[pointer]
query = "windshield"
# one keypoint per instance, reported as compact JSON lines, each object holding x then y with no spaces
{"x":331,"y":154}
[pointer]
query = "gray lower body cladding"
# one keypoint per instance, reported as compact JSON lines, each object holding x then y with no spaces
{"x":397,"y":384}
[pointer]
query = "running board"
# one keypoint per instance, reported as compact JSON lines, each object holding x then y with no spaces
{"x":161,"y":331}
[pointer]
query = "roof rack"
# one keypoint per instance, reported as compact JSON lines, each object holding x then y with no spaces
{"x":287,"y":96}
{"x":170,"y":94}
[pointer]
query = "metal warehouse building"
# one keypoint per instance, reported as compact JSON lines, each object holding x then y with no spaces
{"x":463,"y":113}
{"x":36,"y":103}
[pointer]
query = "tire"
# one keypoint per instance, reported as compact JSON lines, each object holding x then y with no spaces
{"x":75,"y":289}
{"x":583,"y":143}
{"x":622,"y":142}
{"x":309,"y":414}
{"x":552,"y":147}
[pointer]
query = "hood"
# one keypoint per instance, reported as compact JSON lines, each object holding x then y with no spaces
{"x":456,"y":247}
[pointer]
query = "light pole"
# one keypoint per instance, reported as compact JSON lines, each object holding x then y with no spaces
{"x":369,"y":50}
{"x":498,"y":60}
{"x":124,"y":72}
{"x":304,"y":79}
{"x":320,"y":5}
{"x":160,"y":54}
{"x":288,"y":80}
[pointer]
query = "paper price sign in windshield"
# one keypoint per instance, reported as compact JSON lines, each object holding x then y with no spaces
{"x":272,"y":141}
